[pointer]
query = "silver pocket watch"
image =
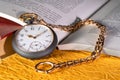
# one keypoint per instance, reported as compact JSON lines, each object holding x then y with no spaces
{"x":35,"y":39}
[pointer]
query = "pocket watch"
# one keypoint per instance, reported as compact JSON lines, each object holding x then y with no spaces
{"x":37,"y":39}
{"x":34,"y":40}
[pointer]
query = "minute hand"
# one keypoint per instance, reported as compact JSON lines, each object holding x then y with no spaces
{"x":40,"y":34}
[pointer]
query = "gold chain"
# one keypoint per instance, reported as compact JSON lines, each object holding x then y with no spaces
{"x":31,"y":18}
{"x":69,"y":28}
{"x":97,"y":50}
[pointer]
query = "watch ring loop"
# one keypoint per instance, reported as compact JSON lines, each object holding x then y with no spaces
{"x":44,"y":64}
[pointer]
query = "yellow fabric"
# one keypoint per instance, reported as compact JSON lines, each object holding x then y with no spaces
{"x":15,"y":67}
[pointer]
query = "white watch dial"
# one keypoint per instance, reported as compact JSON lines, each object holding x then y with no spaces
{"x":34,"y":38}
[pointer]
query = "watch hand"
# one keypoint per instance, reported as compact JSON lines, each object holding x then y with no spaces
{"x":40,"y":33}
{"x":30,"y":36}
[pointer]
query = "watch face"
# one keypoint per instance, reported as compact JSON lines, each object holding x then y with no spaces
{"x":34,"y":38}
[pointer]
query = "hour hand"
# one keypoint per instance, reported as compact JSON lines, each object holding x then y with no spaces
{"x":30,"y":36}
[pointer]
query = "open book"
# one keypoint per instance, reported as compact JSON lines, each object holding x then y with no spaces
{"x":85,"y":38}
{"x":62,"y":12}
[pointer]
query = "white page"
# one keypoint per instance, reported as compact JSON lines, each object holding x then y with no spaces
{"x":53,"y":11}
{"x":88,"y":36}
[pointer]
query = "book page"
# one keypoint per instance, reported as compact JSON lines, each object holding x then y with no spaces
{"x":62,"y":12}
{"x":88,"y":36}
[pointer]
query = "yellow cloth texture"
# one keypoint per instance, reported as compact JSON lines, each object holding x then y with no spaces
{"x":15,"y":67}
{"x":105,"y":67}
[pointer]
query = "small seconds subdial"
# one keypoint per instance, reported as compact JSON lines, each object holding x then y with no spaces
{"x":34,"y":38}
